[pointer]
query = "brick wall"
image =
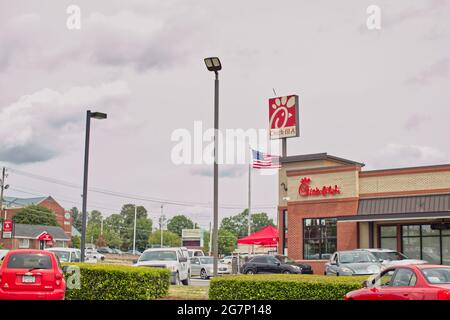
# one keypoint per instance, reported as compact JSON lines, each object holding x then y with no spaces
{"x":404,"y":182}
{"x":346,"y":232}
{"x":59,"y":211}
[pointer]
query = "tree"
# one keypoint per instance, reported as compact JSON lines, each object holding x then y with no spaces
{"x":127,"y":213}
{"x":178,"y":223}
{"x":238,"y":224}
{"x":170,"y":239}
{"x":112,"y":238}
{"x":260,"y":221}
{"x":226,"y":242}
{"x":95,"y":217}
{"x":34,"y":214}
{"x":206,"y":237}
{"x":114,"y":222}
{"x":76,"y":241}
{"x":77,"y":218}
{"x":100,"y":242}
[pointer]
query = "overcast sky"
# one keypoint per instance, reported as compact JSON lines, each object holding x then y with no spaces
{"x":376,"y":96}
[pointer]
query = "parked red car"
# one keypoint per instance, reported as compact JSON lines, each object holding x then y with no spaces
{"x":406,"y":282}
{"x":31,"y":275}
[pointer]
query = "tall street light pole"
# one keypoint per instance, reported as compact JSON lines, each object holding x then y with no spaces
{"x":161,"y":224}
{"x":89,"y":115}
{"x":213,"y":64}
{"x":134,"y":229}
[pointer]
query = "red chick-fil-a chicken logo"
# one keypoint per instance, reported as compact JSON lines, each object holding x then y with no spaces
{"x":305,"y":190}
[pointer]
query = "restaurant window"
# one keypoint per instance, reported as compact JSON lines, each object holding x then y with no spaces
{"x":319,"y":238}
{"x":24,"y":243}
{"x":446,"y":247}
{"x":411,"y":241}
{"x":423,"y":242}
{"x":388,"y":237}
{"x":285,"y":231}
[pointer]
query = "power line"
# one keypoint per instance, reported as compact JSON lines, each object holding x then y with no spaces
{"x":131,"y":196}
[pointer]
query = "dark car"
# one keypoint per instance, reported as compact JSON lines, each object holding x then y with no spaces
{"x":104,"y":250}
{"x":269,"y":264}
{"x":306,"y":268}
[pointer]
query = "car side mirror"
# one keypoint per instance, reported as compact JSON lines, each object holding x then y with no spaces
{"x":278,"y":263}
{"x":365,"y":284}
{"x":183,"y":259}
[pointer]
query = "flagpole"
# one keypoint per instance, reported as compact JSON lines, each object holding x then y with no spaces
{"x":249,"y":196}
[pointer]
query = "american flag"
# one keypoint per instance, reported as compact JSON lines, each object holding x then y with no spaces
{"x":263,"y":160}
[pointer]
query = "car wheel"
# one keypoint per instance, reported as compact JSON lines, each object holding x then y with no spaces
{"x":204,"y":275}
{"x":286,"y":272}
{"x":250,"y":271}
{"x":187,"y":281}
{"x":177,"y":279}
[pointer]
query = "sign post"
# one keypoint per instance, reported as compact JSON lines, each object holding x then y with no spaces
{"x":284,"y":119}
{"x":7,"y":229}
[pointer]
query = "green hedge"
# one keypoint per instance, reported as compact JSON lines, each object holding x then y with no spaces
{"x":117,"y":282}
{"x":282,"y":287}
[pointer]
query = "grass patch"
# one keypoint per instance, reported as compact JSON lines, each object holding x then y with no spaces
{"x":187,"y":293}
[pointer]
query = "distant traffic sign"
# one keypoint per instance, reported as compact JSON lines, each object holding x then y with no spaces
{"x":7,"y":229}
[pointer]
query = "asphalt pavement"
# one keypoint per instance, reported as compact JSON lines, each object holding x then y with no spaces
{"x":197,"y":282}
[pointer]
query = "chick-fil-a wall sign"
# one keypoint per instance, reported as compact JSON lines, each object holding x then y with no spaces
{"x":305,"y":189}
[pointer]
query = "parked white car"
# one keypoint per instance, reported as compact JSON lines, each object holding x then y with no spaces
{"x":3,"y":253}
{"x":169,"y":258}
{"x":203,"y":267}
{"x":227,"y":259}
{"x":391,"y":257}
{"x":195,"y":253}
{"x":91,"y":254}
{"x":66,"y":254}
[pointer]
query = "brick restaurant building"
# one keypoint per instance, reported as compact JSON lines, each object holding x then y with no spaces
{"x":328,"y":203}
{"x":25,"y":236}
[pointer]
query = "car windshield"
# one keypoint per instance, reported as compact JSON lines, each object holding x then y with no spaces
{"x":29,"y":261}
{"x":389,"y":255}
{"x":206,"y":260}
{"x":159,"y":256}
{"x":437,"y":275}
{"x":356,"y":257}
{"x":63,"y":256}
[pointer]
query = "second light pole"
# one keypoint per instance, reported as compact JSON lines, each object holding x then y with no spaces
{"x":89,"y":115}
{"x":213,"y":64}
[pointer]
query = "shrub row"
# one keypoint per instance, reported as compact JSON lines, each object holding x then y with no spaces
{"x":116,"y":282}
{"x":282,"y":287}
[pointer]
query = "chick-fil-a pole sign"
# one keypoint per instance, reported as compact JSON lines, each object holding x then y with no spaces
{"x":305,"y":189}
{"x":283,"y":117}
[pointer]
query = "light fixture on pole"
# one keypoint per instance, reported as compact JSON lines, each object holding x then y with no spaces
{"x":89,"y":115}
{"x":213,"y":64}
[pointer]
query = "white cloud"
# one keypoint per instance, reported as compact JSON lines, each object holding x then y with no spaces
{"x":35,"y":127}
{"x":398,"y":155}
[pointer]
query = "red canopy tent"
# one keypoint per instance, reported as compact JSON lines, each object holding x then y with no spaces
{"x":267,"y":237}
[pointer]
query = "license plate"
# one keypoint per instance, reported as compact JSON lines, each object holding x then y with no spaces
{"x":28,"y":279}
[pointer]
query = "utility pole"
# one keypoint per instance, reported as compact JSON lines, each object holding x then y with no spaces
{"x":3,"y":186}
{"x":210,"y":238}
{"x":134,"y":232}
{"x":161,"y":222}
